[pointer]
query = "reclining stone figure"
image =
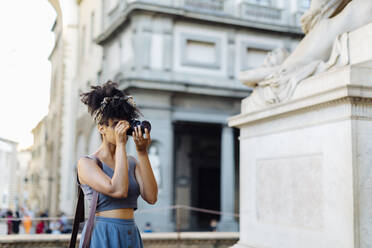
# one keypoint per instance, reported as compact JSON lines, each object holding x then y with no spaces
{"x":325,"y":46}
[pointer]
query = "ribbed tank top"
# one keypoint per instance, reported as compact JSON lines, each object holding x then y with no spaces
{"x":106,"y":202}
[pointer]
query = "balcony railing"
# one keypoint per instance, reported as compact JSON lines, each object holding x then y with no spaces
{"x":245,"y":10}
{"x":205,"y":5}
{"x":256,"y":12}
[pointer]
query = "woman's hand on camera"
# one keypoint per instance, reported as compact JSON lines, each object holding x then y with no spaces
{"x":142,"y":143}
{"x":121,"y":132}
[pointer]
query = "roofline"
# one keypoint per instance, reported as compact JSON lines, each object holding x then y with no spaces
{"x":8,"y":141}
{"x":221,"y":19}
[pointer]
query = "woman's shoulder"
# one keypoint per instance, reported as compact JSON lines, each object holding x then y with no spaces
{"x":86,"y":165}
{"x":86,"y":161}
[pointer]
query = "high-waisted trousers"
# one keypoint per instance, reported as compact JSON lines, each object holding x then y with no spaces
{"x":113,"y":233}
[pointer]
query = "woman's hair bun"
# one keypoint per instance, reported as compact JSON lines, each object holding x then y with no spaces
{"x":117,"y":104}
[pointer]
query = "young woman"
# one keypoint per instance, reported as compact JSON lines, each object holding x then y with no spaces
{"x":122,"y":178}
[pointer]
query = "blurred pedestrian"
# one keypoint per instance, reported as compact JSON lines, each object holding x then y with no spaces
{"x":46,"y":222}
{"x":9,"y":215}
{"x":55,"y":226}
{"x":65,"y":226}
{"x":40,"y":226}
{"x":148,"y":228}
{"x":27,"y":223}
{"x":213,"y":225}
{"x":16,"y":223}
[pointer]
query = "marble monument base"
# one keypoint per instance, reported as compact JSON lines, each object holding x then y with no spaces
{"x":306,"y":164}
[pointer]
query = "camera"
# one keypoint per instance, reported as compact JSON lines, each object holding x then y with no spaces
{"x":134,"y":123}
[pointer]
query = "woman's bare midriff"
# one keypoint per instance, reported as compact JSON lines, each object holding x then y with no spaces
{"x":121,"y":213}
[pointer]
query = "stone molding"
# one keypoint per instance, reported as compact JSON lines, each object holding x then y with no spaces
{"x":185,"y":61}
{"x":170,"y":10}
{"x":174,"y":85}
{"x":348,"y":108}
{"x":344,"y":89}
{"x":244,"y":45}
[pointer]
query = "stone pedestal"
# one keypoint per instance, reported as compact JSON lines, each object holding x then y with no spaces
{"x":306,"y":164}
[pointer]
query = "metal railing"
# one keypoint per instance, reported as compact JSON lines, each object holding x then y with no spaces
{"x":178,"y":209}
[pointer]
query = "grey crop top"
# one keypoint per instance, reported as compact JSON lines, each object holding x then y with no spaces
{"x":106,"y":202}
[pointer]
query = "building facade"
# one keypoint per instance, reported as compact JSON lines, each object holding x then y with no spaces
{"x":23,"y":180}
{"x":38,"y":179}
{"x":8,"y":177}
{"x":61,"y":116}
{"x":180,"y":60}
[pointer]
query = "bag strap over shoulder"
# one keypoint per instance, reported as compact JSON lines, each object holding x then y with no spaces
{"x":79,"y":214}
{"x":79,"y":217}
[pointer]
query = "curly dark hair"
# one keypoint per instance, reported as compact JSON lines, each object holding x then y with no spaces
{"x":116,"y":108}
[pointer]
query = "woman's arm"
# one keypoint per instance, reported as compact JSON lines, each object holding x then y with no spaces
{"x":145,"y":178}
{"x":89,"y":173}
{"x":120,"y":180}
{"x":144,"y":175}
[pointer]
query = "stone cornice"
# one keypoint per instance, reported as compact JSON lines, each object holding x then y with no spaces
{"x":180,"y":12}
{"x":344,"y":109}
{"x":347,"y":83}
{"x":8,"y":141}
{"x":186,"y":87}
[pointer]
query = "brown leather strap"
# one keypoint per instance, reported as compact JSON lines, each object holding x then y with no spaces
{"x":92,"y":212}
{"x":79,"y":215}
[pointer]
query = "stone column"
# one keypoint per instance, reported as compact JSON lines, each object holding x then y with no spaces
{"x":227,"y":221}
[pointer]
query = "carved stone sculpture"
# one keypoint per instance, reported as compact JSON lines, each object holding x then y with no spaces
{"x":324,"y":47}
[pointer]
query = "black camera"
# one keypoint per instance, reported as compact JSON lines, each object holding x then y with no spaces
{"x":134,"y":123}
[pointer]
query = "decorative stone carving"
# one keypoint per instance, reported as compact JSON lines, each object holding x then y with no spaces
{"x":306,"y":162}
{"x":319,"y":10}
{"x":324,"y":47}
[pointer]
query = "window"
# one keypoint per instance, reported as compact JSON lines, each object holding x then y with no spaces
{"x":260,"y":2}
{"x":253,"y":54}
{"x":200,"y":51}
{"x":255,"y":57}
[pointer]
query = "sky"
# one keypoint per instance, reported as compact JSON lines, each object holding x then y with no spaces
{"x":25,"y":43}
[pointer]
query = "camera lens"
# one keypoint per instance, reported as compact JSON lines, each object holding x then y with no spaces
{"x":134,"y":123}
{"x":146,"y":124}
